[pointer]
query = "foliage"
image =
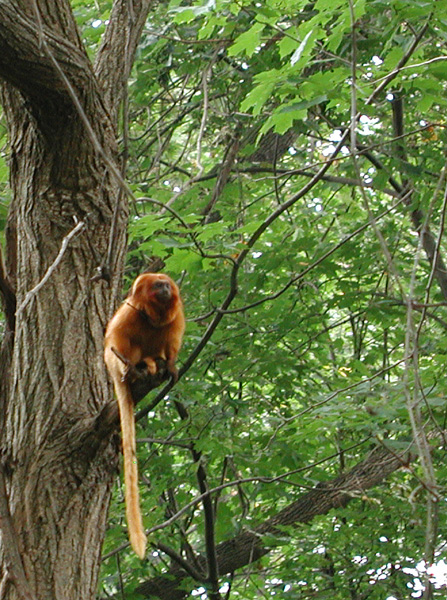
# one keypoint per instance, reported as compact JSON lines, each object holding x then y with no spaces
{"x":337,"y":329}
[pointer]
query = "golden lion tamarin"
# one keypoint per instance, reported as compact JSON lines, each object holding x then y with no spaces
{"x":149,"y":325}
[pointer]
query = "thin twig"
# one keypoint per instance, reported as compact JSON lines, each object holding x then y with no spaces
{"x":413,"y":66}
{"x":403,"y":61}
{"x":186,"y":566}
{"x":203,"y":120}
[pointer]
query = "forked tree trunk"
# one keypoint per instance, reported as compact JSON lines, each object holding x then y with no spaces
{"x":58,"y":472}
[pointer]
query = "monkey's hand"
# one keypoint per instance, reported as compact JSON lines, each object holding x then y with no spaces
{"x":172,"y":370}
{"x":141,"y":381}
{"x":151,"y":365}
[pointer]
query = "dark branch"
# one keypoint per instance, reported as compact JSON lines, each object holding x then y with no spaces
{"x":208,"y":510}
{"x":107,"y":421}
{"x":223,"y":176}
{"x":418,"y":218}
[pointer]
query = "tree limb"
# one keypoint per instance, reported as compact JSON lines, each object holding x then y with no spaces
{"x":57,"y":15}
{"x":223,"y":176}
{"x":248,"y":546}
{"x":208,"y":511}
{"x":107,"y":420}
{"x":117,"y":51}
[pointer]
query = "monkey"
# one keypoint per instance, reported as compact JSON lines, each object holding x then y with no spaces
{"x":149,"y":325}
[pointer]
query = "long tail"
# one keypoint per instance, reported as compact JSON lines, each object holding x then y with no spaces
{"x":133,"y":513}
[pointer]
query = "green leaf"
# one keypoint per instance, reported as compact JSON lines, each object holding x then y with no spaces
{"x":184,"y":260}
{"x":188,"y":14}
{"x":247,"y":42}
{"x":257,"y":98}
{"x":301,"y":48}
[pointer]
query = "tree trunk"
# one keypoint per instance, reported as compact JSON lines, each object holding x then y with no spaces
{"x":58,"y":469}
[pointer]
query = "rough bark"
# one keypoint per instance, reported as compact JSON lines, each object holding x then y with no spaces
{"x":58,"y":470}
{"x":249,"y":546}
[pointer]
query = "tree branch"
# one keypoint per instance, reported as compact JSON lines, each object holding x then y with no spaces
{"x":208,"y":509}
{"x":249,"y":546}
{"x":117,"y":51}
{"x":57,"y":15}
{"x":429,"y":242}
{"x":223,"y":176}
{"x":107,"y":420}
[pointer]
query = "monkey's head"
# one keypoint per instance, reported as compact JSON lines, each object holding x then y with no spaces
{"x":155,"y":288}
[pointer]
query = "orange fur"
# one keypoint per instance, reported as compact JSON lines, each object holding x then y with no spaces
{"x":147,"y":326}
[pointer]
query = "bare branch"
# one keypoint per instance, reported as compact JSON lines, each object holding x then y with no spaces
{"x":384,"y":82}
{"x":181,"y":562}
{"x":223,"y":176}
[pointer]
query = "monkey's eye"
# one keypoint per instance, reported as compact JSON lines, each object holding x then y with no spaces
{"x":161,"y":287}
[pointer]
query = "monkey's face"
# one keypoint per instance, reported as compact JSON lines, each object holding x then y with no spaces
{"x":162,"y":290}
{"x":153,"y":287}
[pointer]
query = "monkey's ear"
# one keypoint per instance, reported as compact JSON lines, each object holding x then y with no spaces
{"x":141,"y":382}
